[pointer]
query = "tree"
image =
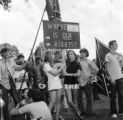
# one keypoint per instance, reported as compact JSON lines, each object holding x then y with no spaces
{"x":5,"y":4}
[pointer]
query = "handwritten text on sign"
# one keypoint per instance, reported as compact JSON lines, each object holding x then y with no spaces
{"x":61,"y":35}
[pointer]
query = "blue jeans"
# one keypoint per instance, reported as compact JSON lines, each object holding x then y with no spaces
{"x":88,"y":92}
{"x":116,"y":88}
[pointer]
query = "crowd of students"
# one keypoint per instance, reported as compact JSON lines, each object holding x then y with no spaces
{"x":52,"y":81}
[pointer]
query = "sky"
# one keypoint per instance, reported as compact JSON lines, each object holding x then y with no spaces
{"x":102,"y":19}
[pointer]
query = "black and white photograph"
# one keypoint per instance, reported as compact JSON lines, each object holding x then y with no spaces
{"x":61,"y":60}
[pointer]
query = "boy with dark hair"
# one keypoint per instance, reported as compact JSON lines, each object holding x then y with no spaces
{"x":35,"y":95}
{"x":89,"y":71}
{"x":37,"y":108}
{"x":84,"y":50}
{"x":111,"y":43}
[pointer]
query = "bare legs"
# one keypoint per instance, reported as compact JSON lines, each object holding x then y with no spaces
{"x":71,"y":96}
{"x":55,"y":98}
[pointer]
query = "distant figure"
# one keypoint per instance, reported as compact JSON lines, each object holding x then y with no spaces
{"x":113,"y":67}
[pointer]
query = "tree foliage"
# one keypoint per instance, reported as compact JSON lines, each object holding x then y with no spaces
{"x":5,"y":4}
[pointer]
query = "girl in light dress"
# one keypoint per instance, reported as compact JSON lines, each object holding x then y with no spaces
{"x":54,"y":83}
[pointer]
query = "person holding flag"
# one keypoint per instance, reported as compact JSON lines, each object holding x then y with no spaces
{"x":7,"y":85}
{"x":113,"y":67}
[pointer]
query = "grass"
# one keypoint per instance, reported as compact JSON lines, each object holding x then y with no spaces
{"x":101,"y":110}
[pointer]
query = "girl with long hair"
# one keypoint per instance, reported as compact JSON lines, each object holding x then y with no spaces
{"x":72,"y":73}
{"x":54,"y":83}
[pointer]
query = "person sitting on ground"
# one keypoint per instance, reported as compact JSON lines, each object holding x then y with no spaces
{"x":37,"y":108}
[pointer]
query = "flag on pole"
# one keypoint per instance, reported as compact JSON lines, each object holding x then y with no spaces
{"x":103,"y":78}
{"x":56,"y":9}
{"x":49,"y":9}
{"x":53,"y":10}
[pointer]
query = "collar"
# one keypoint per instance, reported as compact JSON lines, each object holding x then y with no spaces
{"x":85,"y":59}
{"x":113,"y":52}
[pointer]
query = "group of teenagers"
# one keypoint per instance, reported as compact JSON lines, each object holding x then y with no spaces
{"x":54,"y":76}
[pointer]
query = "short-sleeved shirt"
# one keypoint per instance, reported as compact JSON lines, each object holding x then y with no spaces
{"x":113,"y":66}
{"x":72,"y":67}
{"x":88,"y":67}
{"x":18,"y":76}
{"x":36,"y":110}
{"x":54,"y":82}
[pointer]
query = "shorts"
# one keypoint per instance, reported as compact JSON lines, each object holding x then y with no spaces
{"x":73,"y":86}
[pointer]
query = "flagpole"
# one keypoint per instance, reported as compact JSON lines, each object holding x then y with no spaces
{"x":33,"y":46}
{"x":105,"y":85}
{"x":37,"y":32}
{"x":55,"y":9}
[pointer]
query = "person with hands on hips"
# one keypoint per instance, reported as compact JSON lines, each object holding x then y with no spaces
{"x":89,"y":70}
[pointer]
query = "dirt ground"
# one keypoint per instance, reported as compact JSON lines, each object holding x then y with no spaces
{"x":100,"y":110}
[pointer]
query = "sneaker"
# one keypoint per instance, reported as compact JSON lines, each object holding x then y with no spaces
{"x":114,"y":115}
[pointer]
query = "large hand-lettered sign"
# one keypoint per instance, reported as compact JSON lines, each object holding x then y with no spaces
{"x":61,"y":35}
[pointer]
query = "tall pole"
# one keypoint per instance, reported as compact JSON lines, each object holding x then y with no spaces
{"x":37,"y":32}
{"x":54,"y":8}
{"x":33,"y":46}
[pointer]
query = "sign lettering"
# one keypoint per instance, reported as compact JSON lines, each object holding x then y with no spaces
{"x":61,"y":35}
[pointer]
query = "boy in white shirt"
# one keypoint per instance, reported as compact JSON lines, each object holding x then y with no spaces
{"x":113,"y":67}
